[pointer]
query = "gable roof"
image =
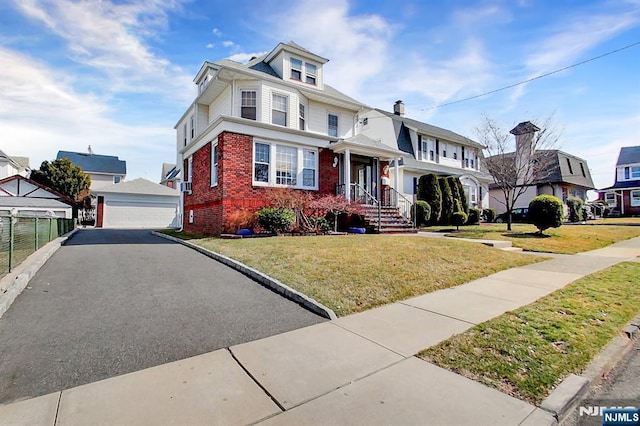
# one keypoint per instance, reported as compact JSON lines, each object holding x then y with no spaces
{"x":94,"y":163}
{"x":137,"y":186}
{"x":628,"y":155}
{"x":33,"y":193}
{"x":437,"y":132}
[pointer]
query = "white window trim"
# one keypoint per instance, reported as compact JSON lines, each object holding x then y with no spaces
{"x":303,"y":71}
{"x":184,"y":133}
{"x":192,"y":128}
{"x":615,"y":199}
{"x":249,"y":89}
{"x":287,"y":112}
{"x":631,"y":202}
{"x":214,"y":177}
{"x":300,"y":118}
{"x":272,"y":166}
{"x":190,"y":169}
{"x":335,"y":114}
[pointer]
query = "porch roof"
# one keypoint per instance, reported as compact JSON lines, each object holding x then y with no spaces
{"x":364,"y":145}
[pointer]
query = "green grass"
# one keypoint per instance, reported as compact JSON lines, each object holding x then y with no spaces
{"x":567,"y":239}
{"x":354,"y":273}
{"x":527,"y":352}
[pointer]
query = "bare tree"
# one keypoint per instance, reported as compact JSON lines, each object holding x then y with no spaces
{"x":516,"y":164}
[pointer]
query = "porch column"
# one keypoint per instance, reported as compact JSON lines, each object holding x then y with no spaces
{"x":396,"y":173}
{"x":347,"y":174}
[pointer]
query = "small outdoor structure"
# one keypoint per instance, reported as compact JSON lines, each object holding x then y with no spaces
{"x":22,"y":196}
{"x":137,"y":204}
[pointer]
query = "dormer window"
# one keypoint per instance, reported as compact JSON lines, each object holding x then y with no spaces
{"x":296,"y":69}
{"x":303,"y":71}
{"x":310,"y":69}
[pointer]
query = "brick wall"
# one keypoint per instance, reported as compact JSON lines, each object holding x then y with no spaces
{"x":235,"y":190}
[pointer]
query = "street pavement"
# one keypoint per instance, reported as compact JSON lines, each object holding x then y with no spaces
{"x":359,"y":369}
{"x":111,"y":302}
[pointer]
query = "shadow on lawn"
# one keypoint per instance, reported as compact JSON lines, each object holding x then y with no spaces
{"x":526,"y":235}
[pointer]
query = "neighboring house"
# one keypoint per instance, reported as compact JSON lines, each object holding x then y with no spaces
{"x":428,"y":149}
{"x":170,"y":175}
{"x":624,"y":195}
{"x":25,"y":197}
{"x":10,"y":166}
{"x":275,"y":123}
{"x":565,"y":176}
{"x":138,"y":203}
{"x":104,"y":170}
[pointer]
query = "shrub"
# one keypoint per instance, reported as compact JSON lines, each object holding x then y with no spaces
{"x":320,"y":224}
{"x":447,"y":201}
{"x":239,"y":219}
{"x":463,"y":196}
{"x":429,"y":191}
{"x":546,"y":211}
{"x":455,"y":193}
{"x":575,"y":205}
{"x":276,"y":220}
{"x":474,"y":216}
{"x":489,"y":215}
{"x":459,"y":218}
{"x":422,"y":213}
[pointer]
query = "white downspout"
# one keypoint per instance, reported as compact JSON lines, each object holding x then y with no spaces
{"x":396,"y":174}
{"x":347,"y":174}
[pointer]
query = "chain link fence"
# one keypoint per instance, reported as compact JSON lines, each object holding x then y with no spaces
{"x":20,"y":236}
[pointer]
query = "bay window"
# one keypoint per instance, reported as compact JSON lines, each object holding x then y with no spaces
{"x":286,"y":165}
{"x":261,"y":162}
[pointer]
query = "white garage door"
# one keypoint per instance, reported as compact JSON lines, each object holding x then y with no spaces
{"x":133,"y":214}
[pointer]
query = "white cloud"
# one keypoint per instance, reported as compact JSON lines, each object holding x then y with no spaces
{"x":228,"y":43}
{"x":41,"y":113}
{"x":216,"y":32}
{"x":110,"y":37}
{"x":210,"y":46}
{"x":356,"y":44}
{"x":245,"y":57}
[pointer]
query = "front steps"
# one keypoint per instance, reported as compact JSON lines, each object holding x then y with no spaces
{"x":391,"y":221}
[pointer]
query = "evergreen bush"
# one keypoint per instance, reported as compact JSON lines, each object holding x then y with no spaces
{"x":277,"y":220}
{"x":429,"y":191}
{"x":489,"y":215}
{"x":422,"y":213}
{"x":576,"y":213}
{"x":474,"y":216}
{"x":546,"y":211}
{"x":447,"y":201}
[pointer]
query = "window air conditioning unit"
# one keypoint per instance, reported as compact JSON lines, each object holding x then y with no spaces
{"x":185,"y":187}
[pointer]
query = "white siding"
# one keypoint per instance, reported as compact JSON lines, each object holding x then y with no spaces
{"x":268,"y":89}
{"x":136,"y":211}
{"x":202,"y":118}
{"x":318,"y":115}
{"x":496,"y":199}
{"x":100,"y":181}
{"x":378,"y":127}
{"x":222,"y":105}
{"x":278,"y":65}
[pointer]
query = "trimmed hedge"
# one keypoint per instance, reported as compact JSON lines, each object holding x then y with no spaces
{"x":575,"y":205}
{"x":276,"y":220}
{"x":422,"y":213}
{"x":474,"y":216}
{"x":489,"y":215}
{"x":546,"y":211}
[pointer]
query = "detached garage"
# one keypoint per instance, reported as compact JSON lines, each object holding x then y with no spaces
{"x":137,"y":204}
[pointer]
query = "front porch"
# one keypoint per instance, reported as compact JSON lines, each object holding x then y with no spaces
{"x":363,"y":166}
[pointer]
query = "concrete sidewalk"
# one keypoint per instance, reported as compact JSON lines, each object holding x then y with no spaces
{"x":358,"y":369}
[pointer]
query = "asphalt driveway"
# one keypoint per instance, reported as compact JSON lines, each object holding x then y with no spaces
{"x":111,"y":302}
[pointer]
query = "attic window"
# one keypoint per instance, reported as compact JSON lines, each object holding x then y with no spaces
{"x":311,"y":73}
{"x":296,"y":69}
{"x":570,"y":168}
{"x":582,"y":170}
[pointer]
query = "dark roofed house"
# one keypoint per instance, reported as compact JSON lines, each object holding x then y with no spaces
{"x":624,"y":196}
{"x":170,"y":175}
{"x":103,"y":169}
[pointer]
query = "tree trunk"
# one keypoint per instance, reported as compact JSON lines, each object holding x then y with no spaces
{"x":509,"y":221}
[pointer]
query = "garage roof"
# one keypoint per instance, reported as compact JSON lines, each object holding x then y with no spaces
{"x":138,"y":186}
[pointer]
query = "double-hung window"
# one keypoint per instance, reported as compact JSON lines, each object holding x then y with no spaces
{"x":309,"y":168}
{"x":311,"y":72}
{"x":248,"y":107}
{"x":424,"y":148}
{"x":261,"y":162}
{"x":286,"y":165}
{"x":192,"y":127}
{"x":635,"y":172}
{"x":635,"y":198}
{"x":443,"y":147}
{"x":332,"y":125}
{"x":214,"y":164}
{"x":279,"y":109}
{"x":301,"y":117}
{"x":296,"y":69}
{"x":184,"y":133}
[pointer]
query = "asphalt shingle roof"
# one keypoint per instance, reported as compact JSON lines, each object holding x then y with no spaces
{"x":629,"y":155}
{"x":94,"y":163}
{"x":32,"y":202}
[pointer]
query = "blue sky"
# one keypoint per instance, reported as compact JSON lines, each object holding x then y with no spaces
{"x":117,"y":74}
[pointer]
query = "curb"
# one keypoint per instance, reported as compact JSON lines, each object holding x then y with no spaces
{"x":12,"y":284}
{"x":573,"y":388}
{"x":261,"y":278}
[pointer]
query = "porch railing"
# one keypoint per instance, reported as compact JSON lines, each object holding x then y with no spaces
{"x":391,"y":197}
{"x":358,"y":194}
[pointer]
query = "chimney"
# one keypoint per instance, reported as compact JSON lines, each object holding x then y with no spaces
{"x":398,"y":108}
{"x":524,"y":133}
{"x":89,"y":150}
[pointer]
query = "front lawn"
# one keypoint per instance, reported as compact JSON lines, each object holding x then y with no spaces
{"x":354,"y":273}
{"x":567,"y":239}
{"x":527,"y":352}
